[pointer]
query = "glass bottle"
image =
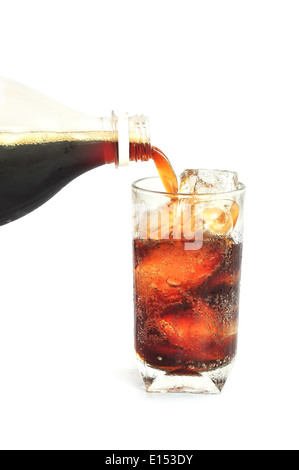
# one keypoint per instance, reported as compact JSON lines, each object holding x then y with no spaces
{"x":45,"y":145}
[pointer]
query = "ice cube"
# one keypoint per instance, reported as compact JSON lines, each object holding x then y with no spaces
{"x":208,"y":181}
{"x":218,"y":221}
{"x":219,"y":216}
{"x":164,"y":273}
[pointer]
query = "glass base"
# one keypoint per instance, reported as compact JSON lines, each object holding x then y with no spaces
{"x":159,"y":381}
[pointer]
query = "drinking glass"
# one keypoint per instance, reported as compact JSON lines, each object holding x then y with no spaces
{"x":187,"y":262}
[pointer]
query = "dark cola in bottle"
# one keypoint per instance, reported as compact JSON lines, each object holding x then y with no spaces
{"x":44,"y":146}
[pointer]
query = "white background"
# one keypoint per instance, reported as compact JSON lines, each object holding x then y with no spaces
{"x":220,"y":83}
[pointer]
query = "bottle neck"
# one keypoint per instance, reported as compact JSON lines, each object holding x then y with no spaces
{"x":133,"y":138}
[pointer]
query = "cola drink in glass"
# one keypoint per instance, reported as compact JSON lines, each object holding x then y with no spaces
{"x":187,"y":289}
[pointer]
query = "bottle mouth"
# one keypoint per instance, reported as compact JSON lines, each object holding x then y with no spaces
{"x":133,"y":138}
{"x":139,"y":129}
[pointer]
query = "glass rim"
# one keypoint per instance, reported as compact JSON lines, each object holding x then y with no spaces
{"x":136,"y":185}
